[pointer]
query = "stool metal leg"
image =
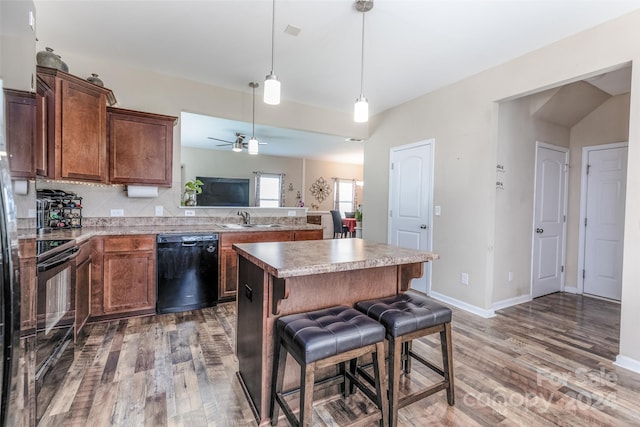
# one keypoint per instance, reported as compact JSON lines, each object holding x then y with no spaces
{"x":447,"y":360}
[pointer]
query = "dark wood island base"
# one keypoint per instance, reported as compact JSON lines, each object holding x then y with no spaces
{"x":281,"y":278}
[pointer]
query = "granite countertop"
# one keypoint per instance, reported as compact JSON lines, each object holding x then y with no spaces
{"x":302,"y":258}
{"x":85,"y":233}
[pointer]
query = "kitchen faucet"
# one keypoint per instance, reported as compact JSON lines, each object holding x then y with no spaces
{"x":246,"y":217}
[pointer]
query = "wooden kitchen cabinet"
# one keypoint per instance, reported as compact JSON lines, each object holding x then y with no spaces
{"x":20,"y":114}
{"x":307,"y":235}
{"x":140,"y":147}
{"x":228,"y":262}
{"x":83,"y":286}
{"x":123,"y":276}
{"x":76,"y":127}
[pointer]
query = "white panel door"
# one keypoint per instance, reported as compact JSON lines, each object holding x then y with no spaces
{"x":410,"y":197}
{"x":549,"y":219}
{"x":604,"y":229}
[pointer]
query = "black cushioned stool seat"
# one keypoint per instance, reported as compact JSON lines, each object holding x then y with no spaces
{"x":323,"y":338}
{"x":406,"y":317}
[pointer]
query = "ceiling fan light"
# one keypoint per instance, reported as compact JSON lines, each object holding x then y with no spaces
{"x":271,"y":90}
{"x":237,"y":146}
{"x":361,"y":110}
{"x":253,"y":146}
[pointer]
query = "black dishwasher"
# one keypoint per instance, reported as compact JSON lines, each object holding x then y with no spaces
{"x":187,"y":272}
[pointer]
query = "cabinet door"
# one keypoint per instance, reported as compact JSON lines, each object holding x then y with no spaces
{"x":307,"y":235}
{"x":129,"y":282}
{"x":83,"y":140}
{"x":228,"y":273}
{"x":83,"y":286}
{"x":21,"y":132}
{"x":140,"y":147}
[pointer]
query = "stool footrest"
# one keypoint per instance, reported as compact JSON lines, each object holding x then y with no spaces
{"x":426,"y":363}
{"x":404,"y":401}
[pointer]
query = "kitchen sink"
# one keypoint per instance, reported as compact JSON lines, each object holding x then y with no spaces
{"x":241,"y":226}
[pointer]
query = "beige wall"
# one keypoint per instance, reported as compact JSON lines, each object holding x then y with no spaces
{"x":463,"y":119}
{"x":315,"y":169}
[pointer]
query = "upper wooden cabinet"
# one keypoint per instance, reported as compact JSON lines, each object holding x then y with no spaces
{"x":76,"y":127}
{"x":140,"y":147}
{"x":20,"y":113}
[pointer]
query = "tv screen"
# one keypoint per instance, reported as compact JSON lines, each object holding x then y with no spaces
{"x":223,"y":191}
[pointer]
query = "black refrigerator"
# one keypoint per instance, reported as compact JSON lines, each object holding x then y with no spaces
{"x":10,"y":295}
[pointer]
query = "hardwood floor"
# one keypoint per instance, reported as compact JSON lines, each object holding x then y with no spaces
{"x":547,"y":362}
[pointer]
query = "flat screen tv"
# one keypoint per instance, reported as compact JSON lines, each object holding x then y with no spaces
{"x":223,"y":191}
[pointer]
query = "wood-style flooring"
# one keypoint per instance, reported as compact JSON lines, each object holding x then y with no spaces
{"x":547,"y":362}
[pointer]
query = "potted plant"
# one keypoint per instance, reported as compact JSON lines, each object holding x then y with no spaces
{"x":358,"y":217}
{"x":191,"y":188}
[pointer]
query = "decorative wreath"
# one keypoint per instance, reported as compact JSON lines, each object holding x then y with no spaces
{"x":320,"y":189}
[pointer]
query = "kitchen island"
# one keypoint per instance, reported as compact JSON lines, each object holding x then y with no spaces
{"x":281,"y":278}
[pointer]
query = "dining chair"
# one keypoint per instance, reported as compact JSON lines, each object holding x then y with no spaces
{"x":339,"y":230}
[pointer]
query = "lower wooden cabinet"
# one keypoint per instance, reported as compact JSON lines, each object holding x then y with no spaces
{"x":83,"y":286}
{"x":124,"y":275}
{"x":228,"y":271}
{"x":228,"y":258}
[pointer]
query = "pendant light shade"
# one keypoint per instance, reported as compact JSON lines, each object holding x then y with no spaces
{"x":253,"y":142}
{"x":361,"y":107}
{"x":272,"y":90}
{"x":253,"y":146}
{"x":361,"y":110}
{"x":271,"y":82}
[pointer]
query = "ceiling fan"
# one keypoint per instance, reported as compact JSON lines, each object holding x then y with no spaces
{"x":238,"y":144}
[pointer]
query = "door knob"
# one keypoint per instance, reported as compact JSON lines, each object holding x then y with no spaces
{"x":539,"y":230}
{"x":423,"y":226}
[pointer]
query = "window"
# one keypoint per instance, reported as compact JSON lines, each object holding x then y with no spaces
{"x":269,"y":191}
{"x":343,"y":195}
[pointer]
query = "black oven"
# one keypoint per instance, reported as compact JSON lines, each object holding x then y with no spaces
{"x":55,"y":314}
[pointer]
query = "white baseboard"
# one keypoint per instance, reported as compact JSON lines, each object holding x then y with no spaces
{"x":627,"y":363}
{"x":571,"y":289}
{"x":462,"y":305}
{"x":510,"y":302}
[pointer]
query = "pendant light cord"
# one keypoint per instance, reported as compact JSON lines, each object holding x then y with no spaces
{"x":273,"y":24}
{"x":362,"y":59}
{"x":253,"y":120}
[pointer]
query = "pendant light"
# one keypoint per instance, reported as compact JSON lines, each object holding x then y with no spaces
{"x":253,"y":142}
{"x":271,"y":82}
{"x":361,"y":108}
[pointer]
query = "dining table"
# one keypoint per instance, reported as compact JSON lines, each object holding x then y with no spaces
{"x":350,"y":223}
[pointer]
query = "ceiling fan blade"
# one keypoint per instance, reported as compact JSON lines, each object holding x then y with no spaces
{"x":223,"y":145}
{"x":222,"y":140}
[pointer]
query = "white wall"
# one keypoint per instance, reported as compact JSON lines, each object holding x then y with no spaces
{"x":463,"y":119}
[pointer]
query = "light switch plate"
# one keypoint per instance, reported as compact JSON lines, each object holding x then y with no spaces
{"x":291,"y":213}
{"x":117,"y":212}
{"x":189,"y":213}
{"x":159,"y":210}
{"x":437,"y":210}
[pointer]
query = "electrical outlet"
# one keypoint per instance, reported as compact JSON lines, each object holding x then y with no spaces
{"x":159,"y":210}
{"x":464,"y":278}
{"x":511,"y":276}
{"x":291,"y":213}
{"x":189,"y":213}
{"x":117,"y":212}
{"x":32,"y":213}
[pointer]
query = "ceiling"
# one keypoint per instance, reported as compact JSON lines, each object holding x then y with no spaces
{"x":411,"y":47}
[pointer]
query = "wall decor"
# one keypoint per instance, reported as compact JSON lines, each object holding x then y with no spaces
{"x":320,"y":189}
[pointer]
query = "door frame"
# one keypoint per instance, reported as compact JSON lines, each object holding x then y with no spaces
{"x":583,"y":205}
{"x":540,"y":144}
{"x":432,"y":143}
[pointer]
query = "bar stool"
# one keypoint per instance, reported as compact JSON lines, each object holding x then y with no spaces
{"x":407,"y":317}
{"x":324,"y":338}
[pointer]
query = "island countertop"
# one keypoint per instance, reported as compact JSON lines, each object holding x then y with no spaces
{"x":291,"y":259}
